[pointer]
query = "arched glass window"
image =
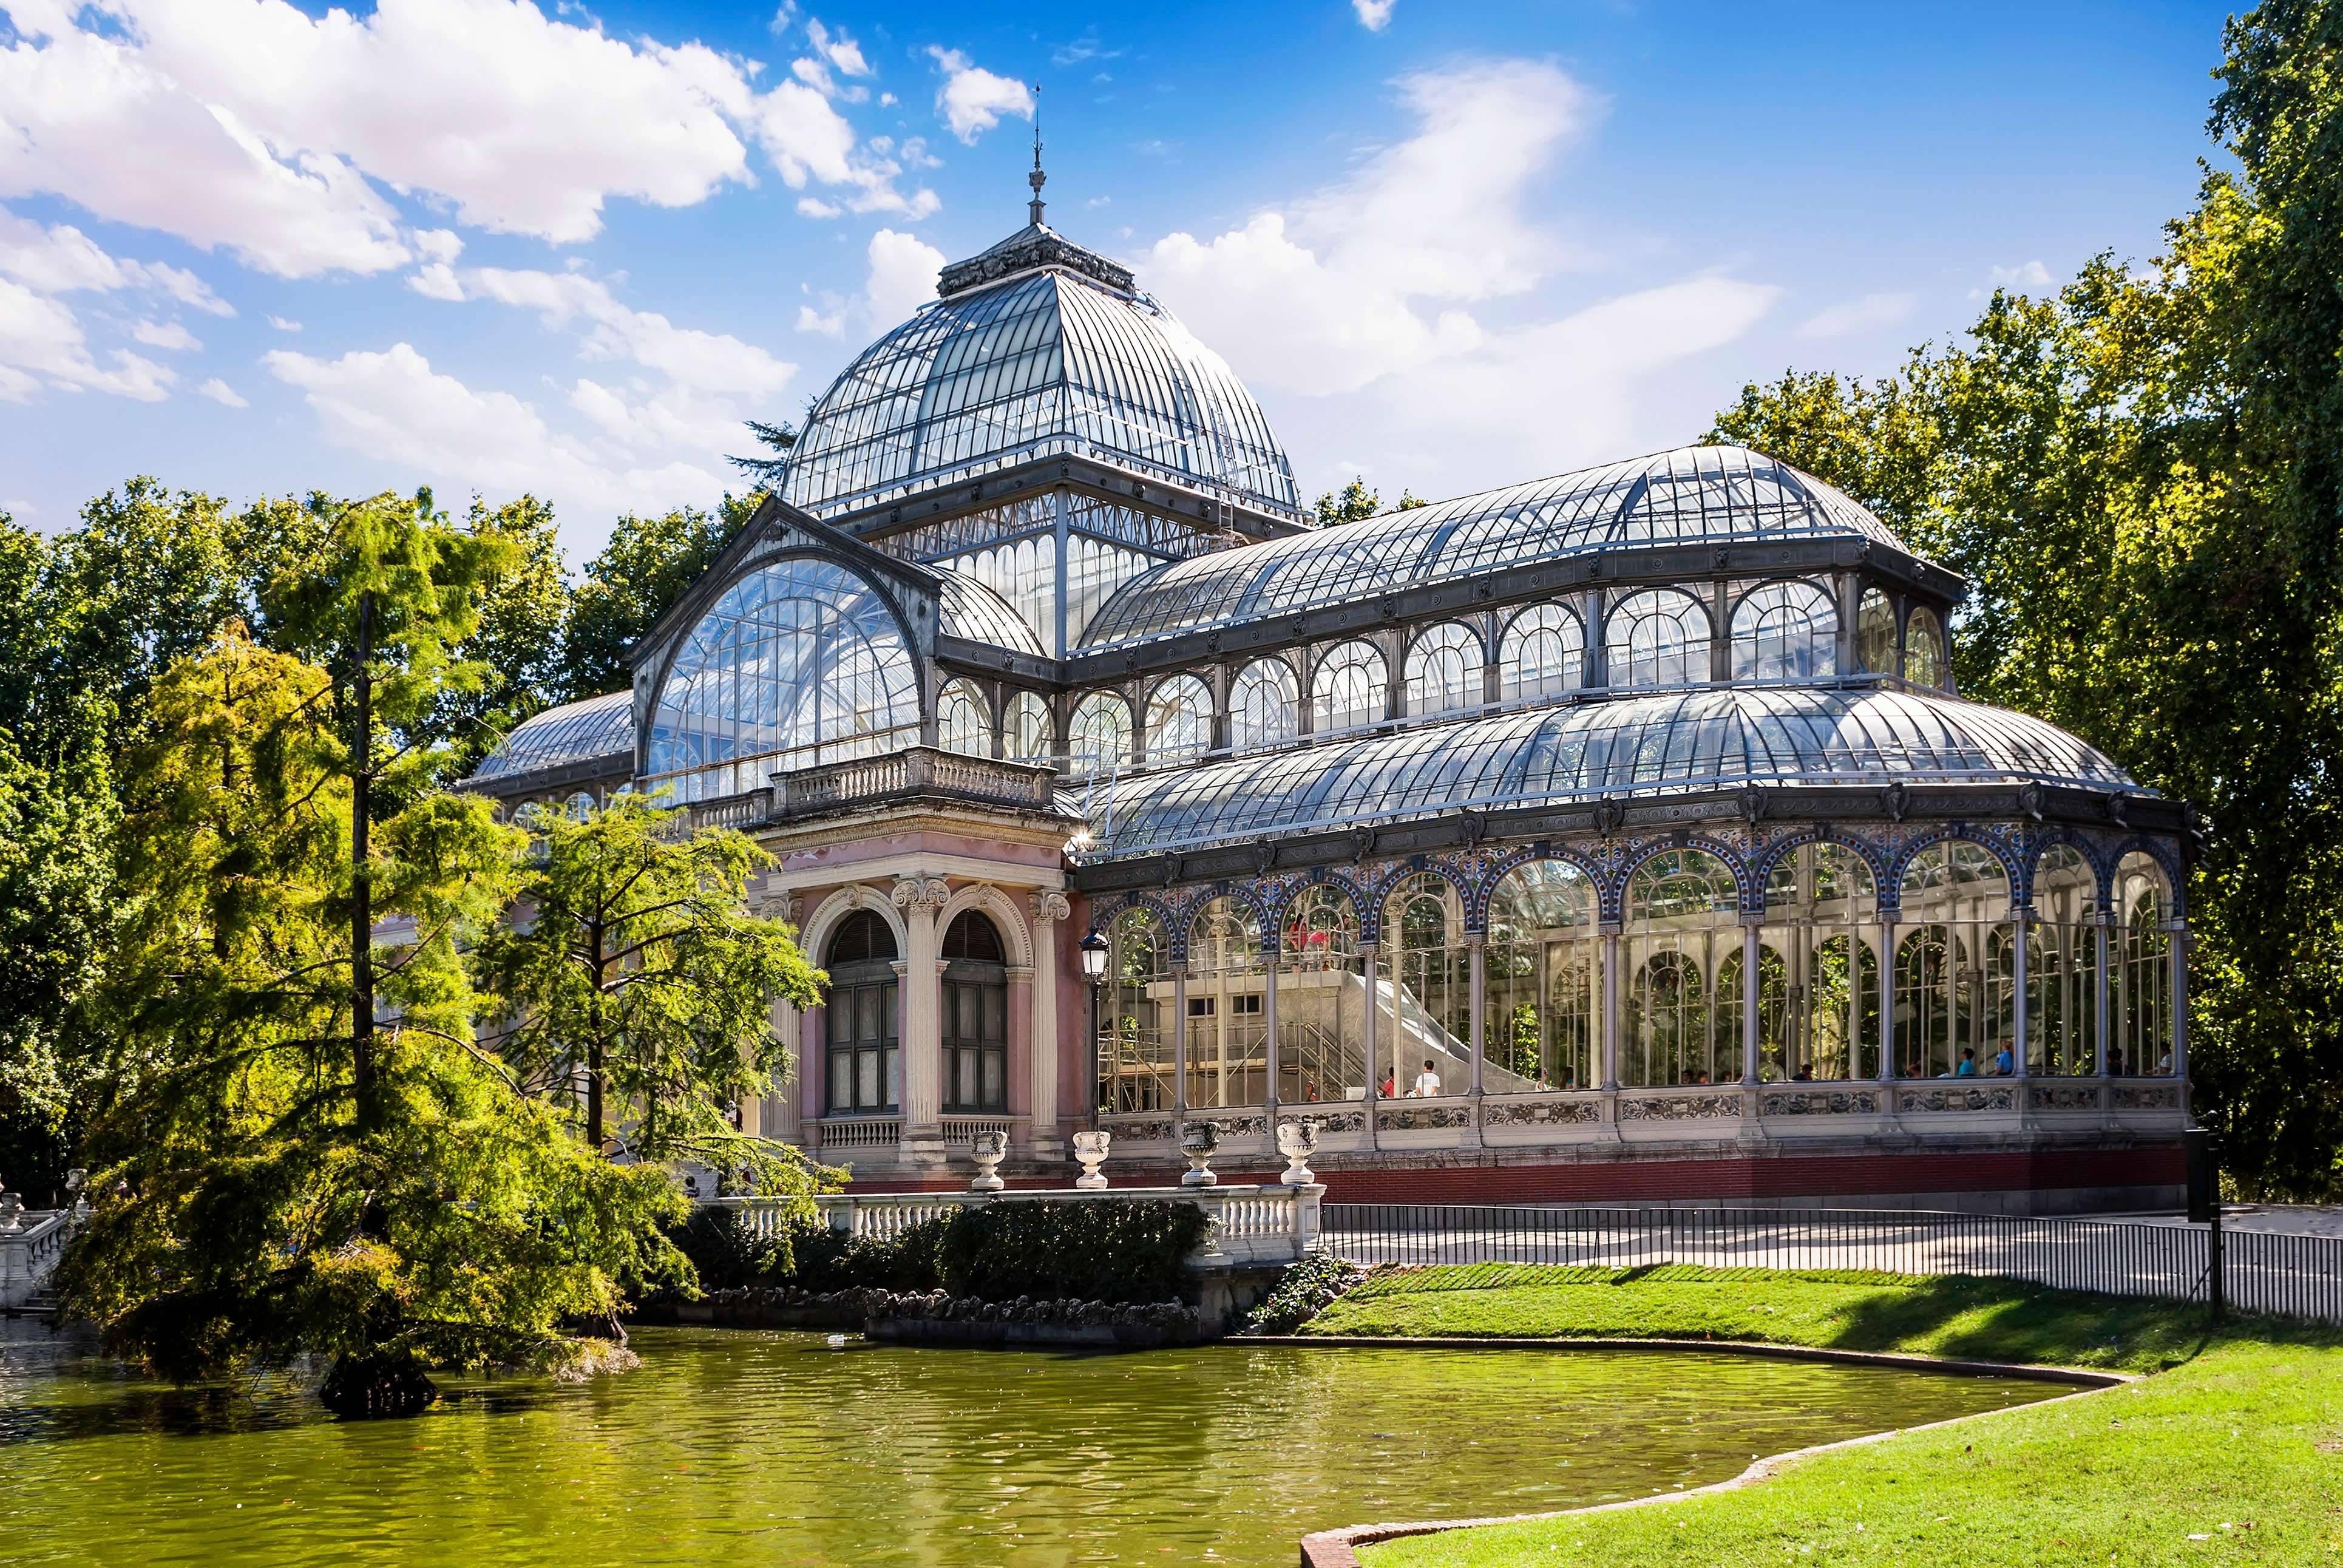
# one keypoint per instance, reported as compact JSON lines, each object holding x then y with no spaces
{"x":1228,"y":1043}
{"x":1542,"y":654}
{"x":975,"y":1018}
{"x":1099,"y":739}
{"x":1820,"y":930}
{"x":2062,"y":966}
{"x":2141,"y":1008}
{"x":798,"y":663}
{"x":1784,"y":631}
{"x":1178,"y":721}
{"x":1425,"y":990}
{"x":1348,"y":688}
{"x":962,"y":723}
{"x":859,"y":1015}
{"x":1322,"y":994}
{"x":1135,"y":1050}
{"x":1443,"y":670}
{"x":1263,"y":702}
{"x":1681,"y":951}
{"x":1541,"y":970}
{"x":1657,"y":638}
{"x":1955,"y":968}
{"x":1875,"y":633}
{"x":1924,"y":648}
{"x":1026,"y":729}
{"x":582,"y":806}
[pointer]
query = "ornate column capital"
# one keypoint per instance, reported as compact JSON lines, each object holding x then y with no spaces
{"x":922,"y":894}
{"x":1047,"y":909}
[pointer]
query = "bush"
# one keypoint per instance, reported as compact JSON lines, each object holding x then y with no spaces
{"x":723,"y":1254}
{"x":1096,"y":1251}
{"x":1303,"y":1291}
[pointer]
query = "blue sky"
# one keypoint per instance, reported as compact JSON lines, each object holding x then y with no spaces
{"x":256,"y":248}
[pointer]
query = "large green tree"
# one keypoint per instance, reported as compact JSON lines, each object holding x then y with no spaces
{"x":2143,"y":478}
{"x":302,"y":1146}
{"x":639,"y":983}
{"x":645,"y":566}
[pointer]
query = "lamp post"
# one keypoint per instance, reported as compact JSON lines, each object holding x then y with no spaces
{"x":1094,"y":951}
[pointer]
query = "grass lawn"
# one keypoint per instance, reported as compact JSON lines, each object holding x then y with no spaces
{"x":2231,"y":1453}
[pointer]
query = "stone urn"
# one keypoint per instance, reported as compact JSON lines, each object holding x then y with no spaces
{"x":1090,"y":1148}
{"x":12,"y":1211}
{"x":1196,"y":1146}
{"x":989,"y":1148}
{"x":1297,"y":1140}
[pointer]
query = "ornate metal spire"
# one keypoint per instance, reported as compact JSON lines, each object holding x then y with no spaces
{"x":1036,"y":178}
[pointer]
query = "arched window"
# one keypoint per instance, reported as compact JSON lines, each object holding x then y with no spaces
{"x":1135,"y":1050}
{"x":1955,"y":968}
{"x":1348,"y":688}
{"x":1261,"y":705}
{"x":1543,"y":654}
{"x":1875,"y":633}
{"x":962,"y":723}
{"x":975,"y":1018}
{"x":2062,"y":966}
{"x":1681,"y":951}
{"x":2141,"y":1008}
{"x":1657,"y":638}
{"x":1443,"y":670}
{"x":1322,"y":994}
{"x":1228,"y":1055}
{"x":1924,"y":648}
{"x":1820,"y":914}
{"x":1784,"y":631}
{"x":1099,"y":739}
{"x":1542,"y":971}
{"x":1027,"y":729}
{"x":1178,"y":721}
{"x":798,"y":663}
{"x":1425,"y":991}
{"x":581,"y":805}
{"x":860,"y":1017}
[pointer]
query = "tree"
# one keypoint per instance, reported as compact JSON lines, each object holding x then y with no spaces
{"x":280,"y":1171}
{"x":645,"y":568}
{"x":777,"y":439}
{"x":638,"y":979}
{"x":2141,"y":477}
{"x":1356,"y":503}
{"x":525,"y":608}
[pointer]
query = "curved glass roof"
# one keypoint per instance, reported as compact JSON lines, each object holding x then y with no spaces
{"x":966,"y":607}
{"x":1705,"y":494}
{"x":599,"y":727}
{"x":1667,"y":742}
{"x":1048,"y":362}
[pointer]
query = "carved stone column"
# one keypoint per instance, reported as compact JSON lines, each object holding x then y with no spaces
{"x":1021,"y":1040}
{"x":919,"y":897}
{"x":1050,"y":912}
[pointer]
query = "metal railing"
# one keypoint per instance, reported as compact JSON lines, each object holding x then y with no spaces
{"x":2287,"y":1275}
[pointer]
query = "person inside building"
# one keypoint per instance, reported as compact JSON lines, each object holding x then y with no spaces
{"x":1427,"y":1085}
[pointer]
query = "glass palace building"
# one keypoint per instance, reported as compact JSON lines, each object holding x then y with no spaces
{"x":1617,"y":835}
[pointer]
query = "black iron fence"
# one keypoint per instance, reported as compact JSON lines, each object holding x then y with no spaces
{"x":2288,"y":1275}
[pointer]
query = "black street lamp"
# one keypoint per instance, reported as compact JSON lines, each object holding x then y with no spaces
{"x":1094,"y":951}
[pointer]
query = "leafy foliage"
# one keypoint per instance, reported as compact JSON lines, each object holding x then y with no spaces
{"x":1303,"y":1291}
{"x":1356,"y":503}
{"x":645,"y":566}
{"x":1123,"y":1251}
{"x":2143,"y":478}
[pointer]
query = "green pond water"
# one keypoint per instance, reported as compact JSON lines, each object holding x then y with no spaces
{"x":730,"y":1447}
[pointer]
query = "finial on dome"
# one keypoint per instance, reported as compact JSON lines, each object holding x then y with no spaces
{"x":1036,"y":178}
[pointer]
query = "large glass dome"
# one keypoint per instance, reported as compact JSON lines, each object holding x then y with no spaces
{"x":1043,"y":363}
{"x":1708,"y":494}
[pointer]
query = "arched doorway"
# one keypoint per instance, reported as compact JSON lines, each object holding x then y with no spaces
{"x":863,"y":1044}
{"x":976,"y":1017}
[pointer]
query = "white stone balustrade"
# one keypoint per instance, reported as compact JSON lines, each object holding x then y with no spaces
{"x":29,"y":1253}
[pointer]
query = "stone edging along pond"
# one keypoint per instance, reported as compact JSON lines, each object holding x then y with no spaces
{"x":1333,"y":1548}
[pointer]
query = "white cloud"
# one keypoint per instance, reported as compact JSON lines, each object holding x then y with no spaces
{"x":60,"y":258}
{"x":283,"y":324}
{"x":902,"y":275}
{"x":1415,"y":308}
{"x":2028,"y":275}
{"x":165,"y":335}
{"x":843,"y":53}
{"x":1867,"y":314}
{"x":282,"y":126}
{"x":1374,"y":15}
{"x":437,"y":280}
{"x":972,"y":99}
{"x":220,"y":392}
{"x":703,"y":361}
{"x":829,"y":322}
{"x":41,"y":340}
{"x":394,"y":408}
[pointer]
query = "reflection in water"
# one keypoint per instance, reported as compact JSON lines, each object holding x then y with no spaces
{"x":773,"y":1448}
